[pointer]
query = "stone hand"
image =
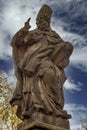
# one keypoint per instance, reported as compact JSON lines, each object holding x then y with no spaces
{"x":27,"y":24}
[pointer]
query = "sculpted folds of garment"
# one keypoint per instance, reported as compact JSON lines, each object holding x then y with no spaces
{"x":40,"y":57}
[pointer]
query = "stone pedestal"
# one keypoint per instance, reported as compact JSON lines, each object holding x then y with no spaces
{"x":40,"y":121}
{"x":36,"y":125}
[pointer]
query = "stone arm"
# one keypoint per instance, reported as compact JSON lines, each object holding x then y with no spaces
{"x":62,"y":52}
{"x":19,"y":37}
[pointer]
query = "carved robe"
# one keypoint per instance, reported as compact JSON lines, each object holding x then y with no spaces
{"x":39,"y":65}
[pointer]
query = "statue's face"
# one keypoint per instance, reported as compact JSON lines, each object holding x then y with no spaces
{"x":42,"y":24}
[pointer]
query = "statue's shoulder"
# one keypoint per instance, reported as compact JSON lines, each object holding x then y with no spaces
{"x":36,"y":31}
{"x":36,"y":34}
{"x":53,"y":37}
{"x":54,"y":33}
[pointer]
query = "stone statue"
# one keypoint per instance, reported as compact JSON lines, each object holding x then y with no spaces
{"x":40,"y":57}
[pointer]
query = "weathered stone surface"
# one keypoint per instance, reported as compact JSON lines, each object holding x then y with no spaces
{"x":37,"y":125}
{"x":48,"y":120}
{"x":40,"y":56}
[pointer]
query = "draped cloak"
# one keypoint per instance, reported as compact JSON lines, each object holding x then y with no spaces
{"x":45,"y":53}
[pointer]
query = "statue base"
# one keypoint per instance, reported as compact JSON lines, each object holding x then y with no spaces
{"x":40,"y":121}
{"x":37,"y":125}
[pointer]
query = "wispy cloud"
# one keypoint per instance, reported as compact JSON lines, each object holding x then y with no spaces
{"x":79,"y":115}
{"x":78,"y":58}
{"x":67,"y":16}
{"x":12,"y":17}
{"x":70,"y":23}
{"x":79,"y":55}
{"x":72,"y":86}
{"x":15,"y":13}
{"x":68,"y":12}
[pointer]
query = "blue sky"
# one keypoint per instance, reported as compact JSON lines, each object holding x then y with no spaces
{"x":69,"y":20}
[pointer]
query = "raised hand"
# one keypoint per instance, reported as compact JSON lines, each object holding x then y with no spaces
{"x":27,"y":24}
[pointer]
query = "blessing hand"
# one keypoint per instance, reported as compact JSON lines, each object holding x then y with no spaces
{"x":27,"y":24}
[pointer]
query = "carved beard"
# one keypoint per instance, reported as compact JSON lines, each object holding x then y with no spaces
{"x":42,"y":25}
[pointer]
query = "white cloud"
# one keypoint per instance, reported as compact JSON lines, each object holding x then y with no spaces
{"x":12,"y":18}
{"x":79,"y":115}
{"x":76,"y":107}
{"x":5,"y":48}
{"x":72,"y":86}
{"x":78,"y":58}
{"x":15,"y":13}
